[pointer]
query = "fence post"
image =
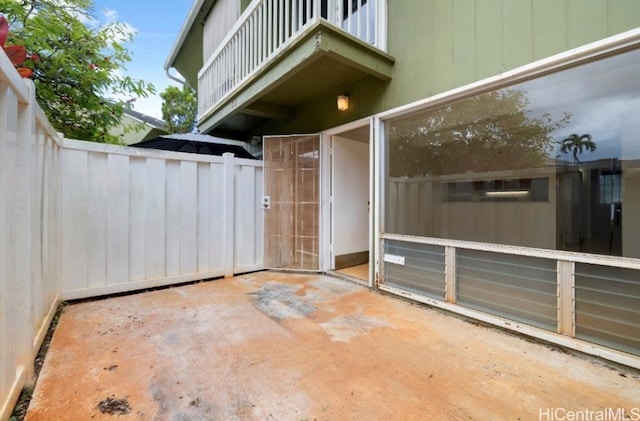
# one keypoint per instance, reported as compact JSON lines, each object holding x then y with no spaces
{"x":22,"y":232}
{"x":450,"y":274}
{"x":566,"y":302}
{"x":228,"y":214}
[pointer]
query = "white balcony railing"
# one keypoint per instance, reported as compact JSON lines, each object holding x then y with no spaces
{"x":266,"y":28}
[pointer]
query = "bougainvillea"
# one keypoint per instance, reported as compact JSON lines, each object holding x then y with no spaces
{"x":17,"y":53}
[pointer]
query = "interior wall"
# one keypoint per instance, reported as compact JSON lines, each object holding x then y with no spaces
{"x":350,"y":196}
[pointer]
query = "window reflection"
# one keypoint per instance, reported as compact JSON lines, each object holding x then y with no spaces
{"x":553,"y":162}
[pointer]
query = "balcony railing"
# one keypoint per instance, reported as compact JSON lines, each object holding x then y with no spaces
{"x":266,"y":28}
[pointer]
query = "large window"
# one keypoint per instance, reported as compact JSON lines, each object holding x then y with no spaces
{"x":553,"y":162}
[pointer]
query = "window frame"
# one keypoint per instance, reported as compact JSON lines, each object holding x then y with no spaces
{"x":610,"y":46}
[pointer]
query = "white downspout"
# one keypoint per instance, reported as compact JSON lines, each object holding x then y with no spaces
{"x":177,"y":79}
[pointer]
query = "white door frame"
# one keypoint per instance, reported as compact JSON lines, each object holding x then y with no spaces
{"x":326,"y":201}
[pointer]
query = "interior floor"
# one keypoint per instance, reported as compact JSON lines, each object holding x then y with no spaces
{"x":360,"y":271}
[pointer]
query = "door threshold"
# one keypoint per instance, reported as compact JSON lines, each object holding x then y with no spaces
{"x":346,"y":277}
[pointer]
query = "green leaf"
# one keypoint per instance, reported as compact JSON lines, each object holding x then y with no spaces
{"x":80,"y":102}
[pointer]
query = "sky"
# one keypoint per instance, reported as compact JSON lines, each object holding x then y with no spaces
{"x":156,"y":25}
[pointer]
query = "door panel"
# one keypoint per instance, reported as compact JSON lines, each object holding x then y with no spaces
{"x":292,"y":183}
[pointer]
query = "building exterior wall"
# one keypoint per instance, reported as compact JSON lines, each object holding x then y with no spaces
{"x":133,"y":131}
{"x":221,"y":19}
{"x":441,"y":44}
{"x":538,"y":261}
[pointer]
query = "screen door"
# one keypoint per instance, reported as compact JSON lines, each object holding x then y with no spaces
{"x":292,"y":202}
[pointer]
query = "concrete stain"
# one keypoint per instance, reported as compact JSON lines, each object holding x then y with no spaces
{"x":343,"y":328}
{"x":280,"y":301}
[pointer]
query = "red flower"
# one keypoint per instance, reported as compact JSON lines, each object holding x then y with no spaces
{"x":17,"y":53}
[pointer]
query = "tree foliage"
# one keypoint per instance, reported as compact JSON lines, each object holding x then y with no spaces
{"x":179,"y":109}
{"x":80,"y":81}
{"x":487,"y":132}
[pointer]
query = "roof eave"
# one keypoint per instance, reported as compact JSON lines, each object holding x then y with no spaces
{"x":184,"y":31}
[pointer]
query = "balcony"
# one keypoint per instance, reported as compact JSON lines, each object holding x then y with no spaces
{"x":283,"y":53}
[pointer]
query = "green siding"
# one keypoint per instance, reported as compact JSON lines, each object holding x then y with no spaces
{"x":441,"y":41}
{"x":625,"y":13}
{"x":464,"y":45}
{"x":587,"y":21}
{"x":516,"y":43}
{"x":488,"y":36}
{"x":444,"y":44}
{"x":421,"y":61}
{"x":549,"y":27}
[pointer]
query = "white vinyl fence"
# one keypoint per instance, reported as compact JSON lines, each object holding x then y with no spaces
{"x":30,"y":231}
{"x":139,"y":218}
{"x":80,"y":219}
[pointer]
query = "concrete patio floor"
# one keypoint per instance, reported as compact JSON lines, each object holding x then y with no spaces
{"x":280,"y":346}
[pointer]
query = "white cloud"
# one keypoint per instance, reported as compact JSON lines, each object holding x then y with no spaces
{"x":110,"y":16}
{"x":152,"y":106}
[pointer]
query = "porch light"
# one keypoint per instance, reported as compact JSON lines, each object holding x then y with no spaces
{"x":343,"y":102}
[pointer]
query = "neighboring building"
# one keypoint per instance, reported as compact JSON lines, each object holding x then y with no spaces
{"x":136,"y":127}
{"x":452,"y":168}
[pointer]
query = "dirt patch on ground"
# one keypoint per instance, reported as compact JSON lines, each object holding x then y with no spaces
{"x":114,"y":406}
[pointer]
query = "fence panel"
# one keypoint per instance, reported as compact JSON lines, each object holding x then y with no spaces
{"x":30,"y":225}
{"x":142,"y":218}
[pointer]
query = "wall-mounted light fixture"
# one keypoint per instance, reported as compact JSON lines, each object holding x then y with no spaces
{"x":343,"y":102}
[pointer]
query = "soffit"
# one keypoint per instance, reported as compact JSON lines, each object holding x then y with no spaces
{"x":324,"y":60}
